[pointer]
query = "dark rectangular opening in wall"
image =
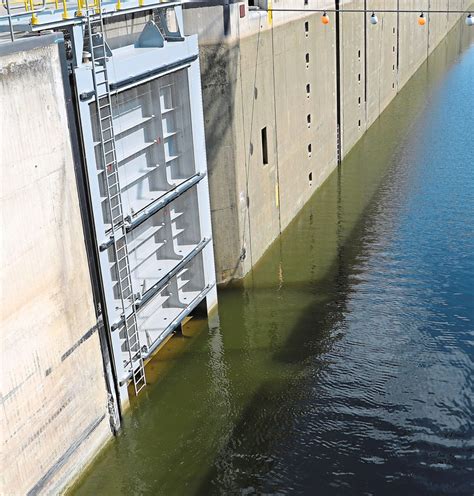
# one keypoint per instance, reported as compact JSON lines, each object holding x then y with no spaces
{"x":264,"y":146}
{"x":251,"y":3}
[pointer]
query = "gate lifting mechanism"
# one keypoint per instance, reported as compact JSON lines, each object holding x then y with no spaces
{"x":129,"y":327}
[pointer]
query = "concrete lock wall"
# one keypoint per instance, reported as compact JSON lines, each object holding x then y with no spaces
{"x":53,"y":395}
{"x":278,"y":71}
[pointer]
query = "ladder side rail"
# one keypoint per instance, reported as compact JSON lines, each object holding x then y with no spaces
{"x":115,"y":208}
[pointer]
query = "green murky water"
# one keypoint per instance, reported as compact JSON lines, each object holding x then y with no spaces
{"x":345,"y":363}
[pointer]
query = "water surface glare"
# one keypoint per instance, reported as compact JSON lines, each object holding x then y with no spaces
{"x":345,"y":364}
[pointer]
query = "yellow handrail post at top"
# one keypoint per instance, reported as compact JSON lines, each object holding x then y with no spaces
{"x":97,"y":6}
{"x":79,"y":8}
{"x":34,"y":17}
{"x":56,"y":4}
{"x":119,"y":5}
{"x":140,"y":3}
{"x":65,"y":12}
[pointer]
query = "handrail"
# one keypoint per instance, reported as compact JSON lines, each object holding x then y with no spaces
{"x":72,"y":10}
{"x":33,"y":13}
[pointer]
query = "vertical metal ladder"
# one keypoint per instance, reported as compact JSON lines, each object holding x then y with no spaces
{"x":95,"y":27}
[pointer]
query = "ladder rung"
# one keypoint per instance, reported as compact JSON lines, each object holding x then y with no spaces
{"x":133,"y":332}
{"x":124,"y":273}
{"x":138,"y":375}
{"x":120,"y":260}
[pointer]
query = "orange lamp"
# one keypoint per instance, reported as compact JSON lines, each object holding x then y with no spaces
{"x":421,"y":20}
{"x":325,"y":18}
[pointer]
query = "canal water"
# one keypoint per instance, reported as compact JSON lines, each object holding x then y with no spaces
{"x":345,"y":363}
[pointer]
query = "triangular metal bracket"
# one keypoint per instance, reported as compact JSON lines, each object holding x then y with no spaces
{"x":150,"y":37}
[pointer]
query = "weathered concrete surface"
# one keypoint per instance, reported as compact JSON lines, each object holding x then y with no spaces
{"x":257,"y":75}
{"x":53,"y":394}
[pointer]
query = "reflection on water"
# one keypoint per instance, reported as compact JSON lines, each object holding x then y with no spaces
{"x":345,"y":363}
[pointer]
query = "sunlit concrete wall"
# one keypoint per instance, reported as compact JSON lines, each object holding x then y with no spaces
{"x":53,"y":394}
{"x":255,"y":73}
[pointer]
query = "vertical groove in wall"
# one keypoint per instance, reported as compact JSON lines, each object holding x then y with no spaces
{"x":338,"y":85}
{"x":226,"y":17}
{"x":398,"y":43}
{"x":365,"y":56}
{"x":276,"y":130}
{"x":428,"y":31}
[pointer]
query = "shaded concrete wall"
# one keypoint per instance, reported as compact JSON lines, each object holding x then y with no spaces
{"x":274,"y":71}
{"x":53,"y":394}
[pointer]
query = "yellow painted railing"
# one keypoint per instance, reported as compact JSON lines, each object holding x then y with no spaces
{"x":69,"y":8}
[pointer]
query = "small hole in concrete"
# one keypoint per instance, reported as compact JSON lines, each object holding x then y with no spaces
{"x":359,"y":122}
{"x":358,"y":77}
{"x":309,"y":150}
{"x":306,"y":27}
{"x":358,"y":53}
{"x":359,"y":100}
{"x":393,"y":30}
{"x":308,"y":119}
{"x":307,"y":58}
{"x":310,"y":176}
{"x":308,"y":89}
{"x":393,"y":49}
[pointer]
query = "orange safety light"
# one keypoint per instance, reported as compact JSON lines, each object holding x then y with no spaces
{"x":422,"y":20}
{"x":325,"y":18}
